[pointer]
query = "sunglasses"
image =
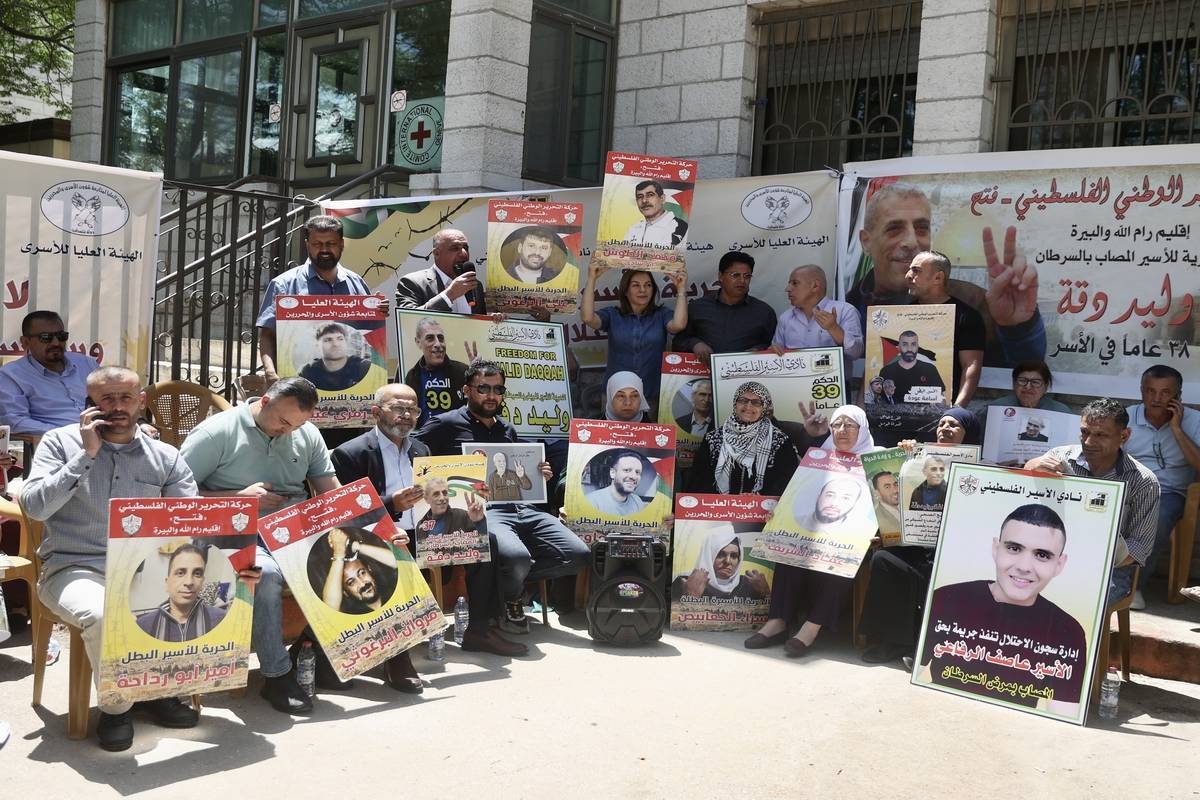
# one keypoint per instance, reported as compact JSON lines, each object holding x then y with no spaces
{"x":486,"y":388}
{"x":47,"y":338}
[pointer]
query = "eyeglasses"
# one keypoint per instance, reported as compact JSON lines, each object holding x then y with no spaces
{"x":47,"y":338}
{"x":844,"y":424}
{"x":487,"y":388}
{"x":402,"y":411}
{"x":1033,"y":383}
{"x":753,"y":402}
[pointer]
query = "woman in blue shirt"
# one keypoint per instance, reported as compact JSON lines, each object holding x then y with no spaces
{"x":637,"y":328}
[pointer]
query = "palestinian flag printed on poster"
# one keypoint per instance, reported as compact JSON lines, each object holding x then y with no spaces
{"x":533,"y":255}
{"x":358,"y":223}
{"x":450,"y":524}
{"x":645,"y":212}
{"x":339,"y":343}
{"x":685,"y":400}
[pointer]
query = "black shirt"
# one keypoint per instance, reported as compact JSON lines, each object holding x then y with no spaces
{"x":748,"y":325}
{"x":969,"y":334}
{"x":445,"y":433}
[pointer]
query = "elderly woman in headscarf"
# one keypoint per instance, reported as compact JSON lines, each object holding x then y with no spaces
{"x":625,"y":398}
{"x":820,"y":596}
{"x":749,"y":453}
{"x":894,"y":605}
{"x":716,"y":571}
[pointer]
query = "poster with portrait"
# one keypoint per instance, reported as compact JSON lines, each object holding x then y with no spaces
{"x":825,"y":519}
{"x":620,"y":479}
{"x":909,"y":369}
{"x":800,"y":382}
{"x":364,"y":597}
{"x":882,"y":468}
{"x":534,"y":247}
{"x":450,"y":524}
{"x":1018,"y":591}
{"x":716,"y":584}
{"x":645,"y":212}
{"x":512,"y":475}
{"x":923,"y":489}
{"x":685,"y":400}
{"x":1015,"y":435}
{"x":176,"y":614}
{"x":339,"y":344}
{"x":533,"y":355}
{"x":4,"y":429}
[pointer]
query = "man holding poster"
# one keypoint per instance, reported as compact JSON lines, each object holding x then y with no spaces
{"x":928,"y":277}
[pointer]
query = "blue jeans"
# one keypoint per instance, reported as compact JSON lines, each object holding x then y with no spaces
{"x":1170,"y":509}
{"x":531,"y":545}
{"x":266,"y":633}
{"x":1120,"y":583}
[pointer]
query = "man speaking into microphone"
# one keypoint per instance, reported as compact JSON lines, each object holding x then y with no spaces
{"x":450,"y":284}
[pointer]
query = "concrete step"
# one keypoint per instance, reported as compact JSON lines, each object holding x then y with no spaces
{"x":1164,"y":638}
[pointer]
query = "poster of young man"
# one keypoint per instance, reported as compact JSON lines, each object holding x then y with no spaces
{"x":685,"y":400}
{"x":910,"y":351}
{"x":620,"y":479}
{"x":716,"y":584}
{"x":512,"y":471}
{"x":644,"y":212}
{"x":363,"y":597}
{"x":450,"y":523}
{"x":1018,"y":591}
{"x":801,"y":382}
{"x":534,"y":261}
{"x":923,"y":489}
{"x":825,"y":519}
{"x":882,"y":469}
{"x":176,"y":615}
{"x":339,"y":343}
{"x":533,"y":355}
{"x":1015,"y":435}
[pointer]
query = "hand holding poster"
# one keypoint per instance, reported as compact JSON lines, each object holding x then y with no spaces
{"x":644,"y":212}
{"x":909,"y":368}
{"x":339,"y":344}
{"x":1015,"y":435}
{"x":824,"y":520}
{"x":3,"y":457}
{"x":450,"y":524}
{"x":717,"y":585}
{"x":513,"y":473}
{"x":620,"y":479}
{"x":923,"y":489}
{"x":1016,"y":603}
{"x":176,"y":614}
{"x":882,"y":469}
{"x":363,"y":596}
{"x":685,"y":400}
{"x":533,"y":355}
{"x":802,"y":383}
{"x":533,"y":259}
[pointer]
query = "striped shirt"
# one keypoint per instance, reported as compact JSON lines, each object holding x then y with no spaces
{"x":1139,"y":516}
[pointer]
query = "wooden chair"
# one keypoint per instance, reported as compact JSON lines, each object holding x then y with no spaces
{"x":1183,"y":538}
{"x":1103,"y":654}
{"x":178,"y":406}
{"x":862,"y":580}
{"x":29,"y":443}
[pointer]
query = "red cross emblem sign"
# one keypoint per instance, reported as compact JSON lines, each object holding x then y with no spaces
{"x":419,"y":135}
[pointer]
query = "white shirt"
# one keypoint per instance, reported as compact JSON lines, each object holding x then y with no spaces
{"x":657,"y":232}
{"x":458,"y":305}
{"x":397,"y":472}
{"x":526,"y":275}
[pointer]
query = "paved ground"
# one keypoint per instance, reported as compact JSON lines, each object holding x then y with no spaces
{"x":694,"y":716}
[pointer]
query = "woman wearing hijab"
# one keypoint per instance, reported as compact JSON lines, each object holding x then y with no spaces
{"x":716,"y":572}
{"x":749,"y":453}
{"x":796,"y":588}
{"x":893,"y":607}
{"x":625,"y":399}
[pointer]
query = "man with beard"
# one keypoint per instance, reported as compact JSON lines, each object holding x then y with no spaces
{"x":436,"y":378}
{"x":47,"y":387}
{"x":930,"y":495}
{"x":336,"y":369}
{"x":620,"y":498}
{"x":906,"y":370}
{"x":443,"y":519}
{"x":928,"y":277}
{"x":451,"y":284}
{"x":352,"y":571}
{"x":834,"y":503}
{"x":534,"y":249}
{"x":698,"y":422}
{"x":658,"y":226}
{"x":184,"y":616}
{"x":887,"y":503}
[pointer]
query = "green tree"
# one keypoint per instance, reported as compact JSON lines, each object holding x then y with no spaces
{"x":37,"y":41}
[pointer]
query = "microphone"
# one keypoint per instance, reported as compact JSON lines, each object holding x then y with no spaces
{"x":470,"y":295}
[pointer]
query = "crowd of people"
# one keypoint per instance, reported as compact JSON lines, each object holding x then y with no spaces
{"x":94,"y":447}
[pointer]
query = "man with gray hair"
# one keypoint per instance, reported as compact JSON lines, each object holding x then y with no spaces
{"x":816,"y":320}
{"x":451,"y":284}
{"x":436,"y":378}
{"x":1033,"y":430}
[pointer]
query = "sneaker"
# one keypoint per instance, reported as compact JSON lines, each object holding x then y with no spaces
{"x":1138,"y":603}
{"x":53,"y":651}
{"x":514,"y":620}
{"x":115,"y":732}
{"x":1191,"y":593}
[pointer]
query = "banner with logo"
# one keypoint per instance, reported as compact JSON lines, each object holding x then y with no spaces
{"x":685,"y":400}
{"x":419,"y":131}
{"x":81,"y":240}
{"x":801,"y":382}
{"x":645,"y":212}
{"x":1015,"y":435}
{"x":717,"y":585}
{"x":620,"y":479}
{"x":1019,"y":586}
{"x":339,"y":344}
{"x":825,"y":520}
{"x":176,"y":615}
{"x":450,"y":524}
{"x":1081,"y":258}
{"x":923,"y":489}
{"x":882,"y":469}
{"x":363,"y":596}
{"x":908,"y":373}
{"x":537,"y":246}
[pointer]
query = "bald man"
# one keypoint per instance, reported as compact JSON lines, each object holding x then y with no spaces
{"x":815,"y":320}
{"x":450,"y":284}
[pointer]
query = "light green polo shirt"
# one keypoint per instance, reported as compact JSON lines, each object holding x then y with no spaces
{"x":227,"y":451}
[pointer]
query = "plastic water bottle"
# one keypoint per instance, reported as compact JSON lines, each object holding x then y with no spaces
{"x":306,"y":669}
{"x":1110,"y":692}
{"x":437,"y":647}
{"x":461,"y":618}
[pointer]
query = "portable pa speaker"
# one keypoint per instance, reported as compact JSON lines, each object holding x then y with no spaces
{"x":626,"y":605}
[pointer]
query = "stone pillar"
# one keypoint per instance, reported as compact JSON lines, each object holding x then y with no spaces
{"x":955,"y":96}
{"x":87,"y":85}
{"x":487,"y":77}
{"x":685,"y":72}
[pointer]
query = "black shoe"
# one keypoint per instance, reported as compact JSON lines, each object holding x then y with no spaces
{"x":758,"y":642}
{"x":285,"y":695}
{"x":400,"y":674}
{"x":884,"y":653}
{"x":794,"y":648}
{"x":170,"y":712}
{"x":115,"y":732}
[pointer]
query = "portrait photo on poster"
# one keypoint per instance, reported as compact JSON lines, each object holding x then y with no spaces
{"x":182,"y":591}
{"x":832,"y":503}
{"x":619,"y":482}
{"x":718,"y":566}
{"x":352,"y":570}
{"x":512,"y":475}
{"x":692,"y":406}
{"x":335,"y":357}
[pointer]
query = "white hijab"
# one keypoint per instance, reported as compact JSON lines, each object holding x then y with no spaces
{"x":625,"y":380}
{"x":715,"y":543}
{"x":865,"y":442}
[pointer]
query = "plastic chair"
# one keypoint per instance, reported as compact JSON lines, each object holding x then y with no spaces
{"x":178,"y":406}
{"x":1183,"y":539}
{"x":1103,"y":654}
{"x":26,"y":567}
